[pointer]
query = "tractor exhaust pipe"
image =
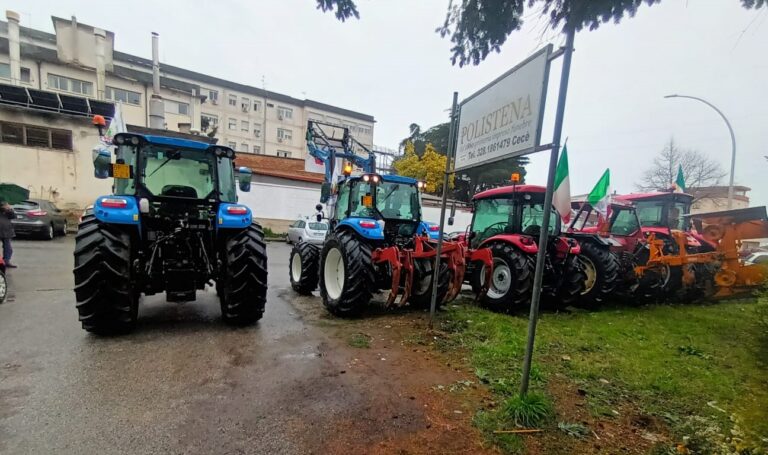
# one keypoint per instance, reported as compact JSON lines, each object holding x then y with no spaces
{"x":156,"y":106}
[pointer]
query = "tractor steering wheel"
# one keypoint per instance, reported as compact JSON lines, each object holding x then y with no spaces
{"x":492,"y":230}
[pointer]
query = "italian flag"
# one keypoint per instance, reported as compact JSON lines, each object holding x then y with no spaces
{"x":680,"y":181}
{"x":561,"y":198}
{"x":600,"y":196}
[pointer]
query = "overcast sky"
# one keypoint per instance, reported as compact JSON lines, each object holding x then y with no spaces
{"x":392,"y":65}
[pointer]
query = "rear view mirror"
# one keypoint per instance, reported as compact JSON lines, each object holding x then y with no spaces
{"x":450,"y":220}
{"x":319,"y":217}
{"x":325,"y":192}
{"x":453,"y":210}
{"x":245,"y":179}
{"x":102,"y":160}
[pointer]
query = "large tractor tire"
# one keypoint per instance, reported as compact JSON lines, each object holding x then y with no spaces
{"x":601,"y":268}
{"x":421,"y":292}
{"x":3,"y":286}
{"x":304,"y":263}
{"x":512,"y":279}
{"x":107,"y":301}
{"x":347,"y":276}
{"x":243,"y":293}
{"x":572,"y":284}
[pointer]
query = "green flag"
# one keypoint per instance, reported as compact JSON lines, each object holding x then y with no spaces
{"x":680,"y":182}
{"x":600,"y":196}
{"x":561,"y":198}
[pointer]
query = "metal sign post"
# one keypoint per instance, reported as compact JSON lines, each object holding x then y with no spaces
{"x":449,"y":155}
{"x":544,"y":236}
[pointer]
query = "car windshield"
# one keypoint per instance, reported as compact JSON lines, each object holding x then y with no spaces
{"x":393,"y":200}
{"x":177,"y":172}
{"x":26,"y":205}
{"x":497,"y":216}
{"x":318,"y":226}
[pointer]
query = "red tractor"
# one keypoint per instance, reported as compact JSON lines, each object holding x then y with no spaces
{"x":508,"y":221}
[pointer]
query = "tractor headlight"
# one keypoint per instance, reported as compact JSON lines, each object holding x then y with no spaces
{"x":375,"y":179}
{"x":420,"y":185}
{"x":134,"y":140}
{"x":120,"y":140}
{"x":366,"y":178}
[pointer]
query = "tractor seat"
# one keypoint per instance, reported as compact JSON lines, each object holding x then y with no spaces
{"x":533,"y":230}
{"x":179,"y":191}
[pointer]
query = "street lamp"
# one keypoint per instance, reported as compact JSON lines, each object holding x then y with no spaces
{"x":733,"y":142}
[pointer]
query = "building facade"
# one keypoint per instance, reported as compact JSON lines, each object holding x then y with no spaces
{"x":79,"y":59}
{"x":715,"y":198}
{"x":47,"y":147}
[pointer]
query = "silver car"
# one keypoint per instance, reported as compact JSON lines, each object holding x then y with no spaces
{"x":304,"y":230}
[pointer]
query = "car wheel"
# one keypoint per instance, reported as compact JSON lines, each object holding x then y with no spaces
{"x":48,"y":234}
{"x":300,"y":240}
{"x":64,"y":228}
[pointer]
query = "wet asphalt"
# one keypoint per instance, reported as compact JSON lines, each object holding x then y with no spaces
{"x":183,"y":382}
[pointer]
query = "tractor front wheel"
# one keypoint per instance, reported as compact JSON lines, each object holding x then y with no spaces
{"x":346,"y":274}
{"x":512,"y":279}
{"x":107,"y":301}
{"x":243,"y":292}
{"x":601,"y":268}
{"x":304,"y":263}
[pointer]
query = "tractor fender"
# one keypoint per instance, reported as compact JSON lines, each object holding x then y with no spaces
{"x":524,"y":243}
{"x":565,"y":246}
{"x":233,"y":216}
{"x":367,"y":228}
{"x":595,"y":238}
{"x":117,"y":210}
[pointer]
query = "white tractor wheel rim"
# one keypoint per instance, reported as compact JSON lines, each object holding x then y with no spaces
{"x":591,"y":271}
{"x":3,"y":287}
{"x":333,"y":272}
{"x":501,"y":280}
{"x":296,"y":267}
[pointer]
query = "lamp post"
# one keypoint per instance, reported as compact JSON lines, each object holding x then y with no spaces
{"x":733,"y":142}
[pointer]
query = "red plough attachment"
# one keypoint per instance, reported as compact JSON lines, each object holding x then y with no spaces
{"x":455,"y":255}
{"x":484,"y":256}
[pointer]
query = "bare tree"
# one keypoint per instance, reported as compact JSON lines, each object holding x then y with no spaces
{"x":698,"y":170}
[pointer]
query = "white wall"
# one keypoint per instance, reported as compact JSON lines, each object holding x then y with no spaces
{"x":279,"y":202}
{"x":460,"y":221}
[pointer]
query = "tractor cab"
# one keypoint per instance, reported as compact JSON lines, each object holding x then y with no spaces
{"x":622,"y":229}
{"x":382,"y":207}
{"x":511,"y":211}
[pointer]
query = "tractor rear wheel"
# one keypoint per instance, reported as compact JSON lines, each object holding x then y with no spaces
{"x":3,"y":287}
{"x":244,"y":289}
{"x":421,"y":293}
{"x":304,"y":262}
{"x":601,"y":268}
{"x":512,"y":279}
{"x":572,"y":284}
{"x":346,"y":274}
{"x":107,"y":301}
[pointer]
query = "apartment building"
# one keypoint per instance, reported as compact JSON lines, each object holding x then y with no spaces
{"x":80,"y":59}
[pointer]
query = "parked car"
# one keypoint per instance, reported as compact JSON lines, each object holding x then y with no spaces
{"x":303,"y":230}
{"x":758,"y":257}
{"x":40,"y":218}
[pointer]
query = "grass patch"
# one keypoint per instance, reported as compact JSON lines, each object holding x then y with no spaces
{"x":671,"y":361}
{"x":530,"y":410}
{"x":359,"y":340}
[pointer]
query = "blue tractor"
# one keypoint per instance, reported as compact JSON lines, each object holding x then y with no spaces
{"x":377,"y":239}
{"x":172,"y":225}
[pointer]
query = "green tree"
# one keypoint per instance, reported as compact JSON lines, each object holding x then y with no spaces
{"x":479,"y":27}
{"x":429,"y":168}
{"x":437,"y":136}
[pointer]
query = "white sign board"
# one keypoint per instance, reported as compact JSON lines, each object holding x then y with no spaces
{"x":503,"y":119}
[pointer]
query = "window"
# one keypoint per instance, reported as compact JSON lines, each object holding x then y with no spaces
{"x":233,"y":124}
{"x":5,"y":70}
{"x":257,"y":129}
{"x":233,"y":100}
{"x":67,"y":84}
{"x":624,"y":222}
{"x":243,"y":148}
{"x":126,"y":96}
{"x":284,"y":135}
{"x":213,"y":95}
{"x":283,"y":153}
{"x":175,"y":107}
{"x":257,"y":149}
{"x":284,"y":113}
{"x":256,"y":106}
{"x":244,"y":126}
{"x":35,"y":136}
{"x":26,"y":75}
{"x":208,"y":121}
{"x":232,"y":145}
{"x":245,"y":104}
